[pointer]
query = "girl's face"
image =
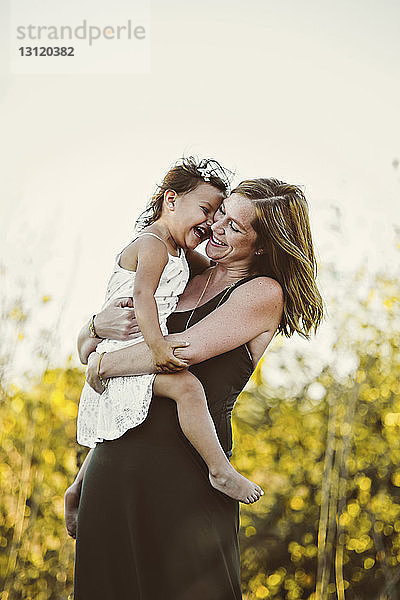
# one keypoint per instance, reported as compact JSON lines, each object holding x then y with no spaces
{"x":193,"y":215}
{"x":233,"y":239}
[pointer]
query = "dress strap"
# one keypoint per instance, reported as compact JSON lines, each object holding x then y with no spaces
{"x":245,"y":280}
{"x":140,"y":235}
{"x":154,"y":235}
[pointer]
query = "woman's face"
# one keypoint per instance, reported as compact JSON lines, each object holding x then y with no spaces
{"x":233,"y":238}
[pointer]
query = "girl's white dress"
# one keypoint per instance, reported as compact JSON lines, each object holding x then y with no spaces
{"x":125,"y":401}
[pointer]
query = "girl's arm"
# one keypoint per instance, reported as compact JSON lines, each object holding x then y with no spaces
{"x":197,"y":262}
{"x":253,"y":308}
{"x":152,"y":258}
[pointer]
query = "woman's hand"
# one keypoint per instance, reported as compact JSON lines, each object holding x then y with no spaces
{"x":71,"y":504}
{"x":91,"y":373}
{"x":117,"y":321}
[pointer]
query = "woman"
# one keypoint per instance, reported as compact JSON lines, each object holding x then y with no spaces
{"x":149,"y":524}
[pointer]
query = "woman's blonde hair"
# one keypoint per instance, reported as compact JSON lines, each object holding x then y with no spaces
{"x":284,"y":235}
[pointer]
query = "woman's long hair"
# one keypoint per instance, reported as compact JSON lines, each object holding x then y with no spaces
{"x":284,"y":235}
{"x":183,"y":177}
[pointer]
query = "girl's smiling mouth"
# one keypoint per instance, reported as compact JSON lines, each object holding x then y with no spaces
{"x":201,"y":232}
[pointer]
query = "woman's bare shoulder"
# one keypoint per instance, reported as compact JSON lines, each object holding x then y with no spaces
{"x":259,"y":300}
{"x":259,"y":290}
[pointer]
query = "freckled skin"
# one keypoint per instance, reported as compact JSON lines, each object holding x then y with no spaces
{"x":250,"y":315}
{"x":232,"y":227}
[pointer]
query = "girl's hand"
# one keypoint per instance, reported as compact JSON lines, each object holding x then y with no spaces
{"x":71,"y":504}
{"x":164,"y":358}
{"x":91,"y":373}
{"x":117,"y":321}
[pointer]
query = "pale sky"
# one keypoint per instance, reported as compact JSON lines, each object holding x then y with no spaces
{"x":304,"y":91}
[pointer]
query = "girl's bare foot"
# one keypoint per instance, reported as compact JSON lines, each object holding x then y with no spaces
{"x":233,"y":484}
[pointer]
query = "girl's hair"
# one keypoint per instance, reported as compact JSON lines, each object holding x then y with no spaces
{"x":184,"y":177}
{"x":283,"y":232}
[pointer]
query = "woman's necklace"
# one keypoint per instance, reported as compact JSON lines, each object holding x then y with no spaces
{"x":202,"y":294}
{"x":200,"y":298}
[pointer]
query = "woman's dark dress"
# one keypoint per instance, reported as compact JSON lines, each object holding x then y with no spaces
{"x":150,"y":525}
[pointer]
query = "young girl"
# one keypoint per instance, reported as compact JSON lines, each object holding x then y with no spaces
{"x":153,"y":269}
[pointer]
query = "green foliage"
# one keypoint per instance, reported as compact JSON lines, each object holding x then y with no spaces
{"x":38,"y":461}
{"x":327,"y":456}
{"x":329,"y":523}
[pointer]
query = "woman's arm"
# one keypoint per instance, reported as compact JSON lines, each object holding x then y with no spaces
{"x":253,"y":308}
{"x":115,"y":322}
{"x":258,"y":346}
{"x":86,"y":343}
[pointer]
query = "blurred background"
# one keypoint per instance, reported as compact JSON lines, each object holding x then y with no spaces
{"x":307,"y":92}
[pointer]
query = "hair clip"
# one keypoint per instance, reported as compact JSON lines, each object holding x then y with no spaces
{"x":211,"y":168}
{"x":205,"y":172}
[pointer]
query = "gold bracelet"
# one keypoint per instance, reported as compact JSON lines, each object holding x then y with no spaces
{"x":104,"y":382}
{"x":92,"y":329}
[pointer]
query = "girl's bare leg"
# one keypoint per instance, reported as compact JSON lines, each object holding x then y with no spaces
{"x":197,"y":425}
{"x":72,"y":497}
